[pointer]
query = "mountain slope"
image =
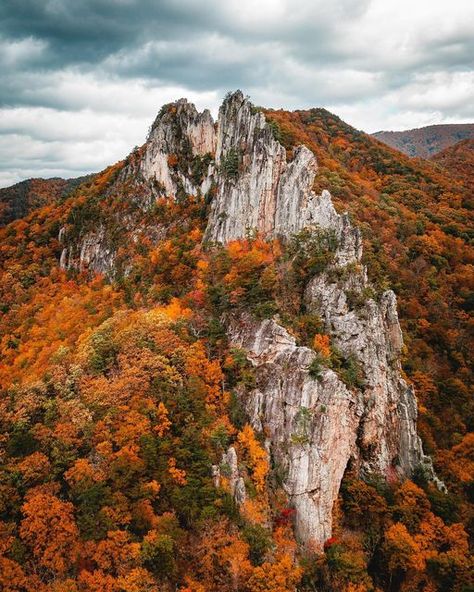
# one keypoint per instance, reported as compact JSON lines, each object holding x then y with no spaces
{"x":427,"y":141}
{"x":20,"y":199}
{"x":458,"y":160}
{"x":172,"y":407}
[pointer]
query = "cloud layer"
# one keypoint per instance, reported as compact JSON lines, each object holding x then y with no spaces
{"x":82,"y":81}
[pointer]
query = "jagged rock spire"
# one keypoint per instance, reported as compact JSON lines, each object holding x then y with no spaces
{"x":263,"y":191}
{"x":178,"y":135}
{"x":256,"y":188}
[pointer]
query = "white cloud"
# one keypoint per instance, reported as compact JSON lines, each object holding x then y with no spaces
{"x":44,"y":141}
{"x":444,"y":91}
{"x":20,"y":51}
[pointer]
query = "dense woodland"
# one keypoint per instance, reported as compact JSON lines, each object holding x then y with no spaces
{"x":118,"y":395}
{"x":427,"y":141}
{"x":459,"y":161}
{"x":20,"y":199}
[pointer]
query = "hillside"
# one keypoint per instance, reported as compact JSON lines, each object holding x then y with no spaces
{"x":20,"y":199}
{"x":204,"y":383}
{"x":427,"y":141}
{"x":458,"y":160}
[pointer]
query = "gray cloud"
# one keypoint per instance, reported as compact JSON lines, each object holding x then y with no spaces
{"x":81,"y":81}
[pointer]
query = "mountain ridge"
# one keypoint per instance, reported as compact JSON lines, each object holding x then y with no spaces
{"x":458,"y":159}
{"x":19,"y":199}
{"x":182,"y":370}
{"x":428,"y":140}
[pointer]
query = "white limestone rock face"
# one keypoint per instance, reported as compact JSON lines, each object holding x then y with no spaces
{"x":373,"y":426}
{"x":369,"y":331}
{"x":263,"y":192}
{"x":246,"y":188}
{"x":315,"y":427}
{"x":92,"y":252}
{"x":229,"y":467}
{"x":178,"y":133}
{"x":260,"y":191}
{"x":187,"y":154}
{"x":310,"y":425}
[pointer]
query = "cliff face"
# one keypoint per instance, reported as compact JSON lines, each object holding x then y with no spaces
{"x":315,"y":426}
{"x":257,"y":189}
{"x":176,"y":161}
{"x":238,"y":162}
{"x":310,"y":424}
{"x":177,"y":140}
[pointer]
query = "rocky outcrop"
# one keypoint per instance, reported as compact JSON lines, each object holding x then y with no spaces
{"x":92,"y":252}
{"x":179,"y":137}
{"x":366,"y":330}
{"x":258,"y":190}
{"x":229,"y":468}
{"x":315,"y":423}
{"x":314,"y":426}
{"x":176,"y":161}
{"x":254,"y":187}
{"x":368,"y":333}
{"x":310,"y":423}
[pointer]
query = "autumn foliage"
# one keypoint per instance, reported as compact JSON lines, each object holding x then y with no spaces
{"x":118,"y":393}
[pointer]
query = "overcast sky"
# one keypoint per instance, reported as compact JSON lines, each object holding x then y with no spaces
{"x":81,"y":80}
